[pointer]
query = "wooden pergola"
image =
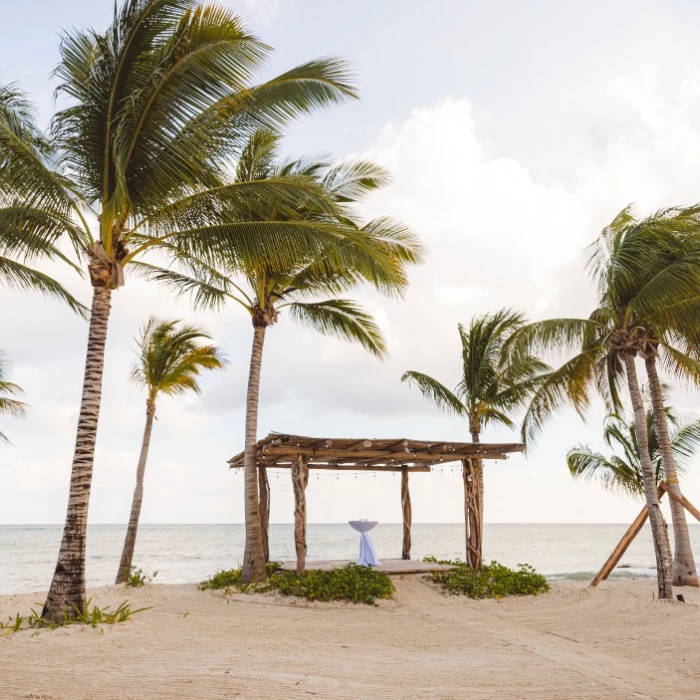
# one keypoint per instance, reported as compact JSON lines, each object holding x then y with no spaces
{"x":300,"y":454}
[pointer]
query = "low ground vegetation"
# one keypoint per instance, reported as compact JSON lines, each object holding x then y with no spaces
{"x":493,"y":581}
{"x":90,"y":615}
{"x":356,"y":584}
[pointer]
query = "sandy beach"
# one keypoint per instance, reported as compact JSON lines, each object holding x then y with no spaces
{"x":574,"y":642}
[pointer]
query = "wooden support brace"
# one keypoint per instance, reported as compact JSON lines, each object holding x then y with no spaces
{"x":626,"y":541}
{"x":264,"y":493}
{"x":406,"y":509}
{"x":681,"y":499}
{"x":300,"y":479}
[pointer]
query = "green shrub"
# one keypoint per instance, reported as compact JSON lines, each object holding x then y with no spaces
{"x":232,"y":578}
{"x":358,"y":584}
{"x":493,"y":581}
{"x":137,"y":578}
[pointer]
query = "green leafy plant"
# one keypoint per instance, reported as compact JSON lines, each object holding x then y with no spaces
{"x":89,"y":615}
{"x":137,"y":579}
{"x":493,"y":581}
{"x":233,"y":579}
{"x":358,"y":584}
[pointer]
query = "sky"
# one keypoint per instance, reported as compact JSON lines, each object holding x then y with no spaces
{"x":513,"y":131}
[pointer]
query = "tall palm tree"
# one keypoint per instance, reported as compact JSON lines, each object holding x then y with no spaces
{"x":157,"y":107}
{"x":171,"y":358}
{"x":623,"y":470}
{"x":378,"y":253}
{"x":19,"y":248}
{"x":492,"y":388}
{"x":645,"y":270}
{"x":9,"y":405}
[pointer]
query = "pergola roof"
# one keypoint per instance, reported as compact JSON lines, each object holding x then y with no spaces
{"x":279,"y":450}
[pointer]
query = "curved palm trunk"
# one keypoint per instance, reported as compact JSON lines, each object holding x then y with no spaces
{"x":684,"y":571}
{"x":663,"y":551}
{"x":67,"y":592}
{"x":254,"y":555}
{"x":132,"y":529}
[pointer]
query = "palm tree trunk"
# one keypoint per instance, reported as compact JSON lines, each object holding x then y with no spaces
{"x":664,"y":567}
{"x":254,"y":555}
{"x":684,"y":572}
{"x":132,"y":529}
{"x":67,"y":592}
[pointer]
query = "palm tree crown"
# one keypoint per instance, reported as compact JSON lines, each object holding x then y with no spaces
{"x":493,"y":386}
{"x":172,"y":357}
{"x":623,"y":470}
{"x":20,"y":247}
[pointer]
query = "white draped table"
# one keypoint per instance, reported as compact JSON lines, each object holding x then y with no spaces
{"x":368,"y":557}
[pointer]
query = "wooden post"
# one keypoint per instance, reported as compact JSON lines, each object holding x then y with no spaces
{"x":625,"y":542}
{"x":679,"y":498}
{"x":406,"y":508}
{"x":300,"y":479}
{"x":264,"y":492}
{"x":472,"y":517}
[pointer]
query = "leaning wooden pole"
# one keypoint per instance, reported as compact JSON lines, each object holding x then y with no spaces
{"x":625,"y":542}
{"x":406,"y":508}
{"x":300,"y":479}
{"x":264,"y":495}
{"x":680,"y":498}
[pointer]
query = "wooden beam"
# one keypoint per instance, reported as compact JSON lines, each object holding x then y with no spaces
{"x":264,"y":495}
{"x":406,"y":509}
{"x":364,"y":454}
{"x":347,"y":467}
{"x":300,"y":479}
{"x":679,"y":498}
{"x":626,"y":541}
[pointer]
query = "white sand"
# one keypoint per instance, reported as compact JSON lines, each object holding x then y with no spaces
{"x":615,"y":642}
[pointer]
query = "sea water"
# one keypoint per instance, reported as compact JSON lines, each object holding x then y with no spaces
{"x":191,"y":553}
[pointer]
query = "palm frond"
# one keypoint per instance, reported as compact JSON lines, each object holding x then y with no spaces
{"x":436,"y":392}
{"x":344,"y":319}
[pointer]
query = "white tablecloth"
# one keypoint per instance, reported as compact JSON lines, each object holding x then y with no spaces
{"x":368,"y":557}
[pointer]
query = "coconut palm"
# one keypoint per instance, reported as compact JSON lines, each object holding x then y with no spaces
{"x":171,"y":358}
{"x":9,"y":405}
{"x":623,"y":470}
{"x":492,"y":388}
{"x":645,"y":269}
{"x":19,"y":248}
{"x":377,"y":253}
{"x":156,"y":109}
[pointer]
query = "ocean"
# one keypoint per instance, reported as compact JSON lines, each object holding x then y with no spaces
{"x":191,"y":553}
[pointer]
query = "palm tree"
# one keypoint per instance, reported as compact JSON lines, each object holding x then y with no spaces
{"x":623,"y":470}
{"x":157,"y":107}
{"x":492,"y":388}
{"x":8,"y":404}
{"x":18,"y":122}
{"x":645,"y":270}
{"x":171,"y":357}
{"x":378,"y":253}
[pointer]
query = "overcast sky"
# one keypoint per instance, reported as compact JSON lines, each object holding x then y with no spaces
{"x":514,"y":131}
